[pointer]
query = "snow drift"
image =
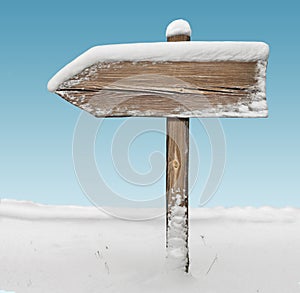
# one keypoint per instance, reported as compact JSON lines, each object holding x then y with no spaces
{"x":80,"y":249}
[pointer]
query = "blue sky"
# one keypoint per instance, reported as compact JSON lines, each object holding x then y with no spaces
{"x":36,"y":127}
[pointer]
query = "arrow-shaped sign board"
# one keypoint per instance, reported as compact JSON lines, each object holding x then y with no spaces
{"x":178,"y":80}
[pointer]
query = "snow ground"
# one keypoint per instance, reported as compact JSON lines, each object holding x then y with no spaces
{"x":69,"y":249}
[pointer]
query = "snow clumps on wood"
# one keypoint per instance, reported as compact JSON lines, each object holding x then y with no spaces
{"x":178,"y":27}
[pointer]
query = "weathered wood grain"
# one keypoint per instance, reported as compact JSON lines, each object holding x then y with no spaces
{"x":177,"y":183}
{"x":168,"y":89}
{"x":178,"y":38}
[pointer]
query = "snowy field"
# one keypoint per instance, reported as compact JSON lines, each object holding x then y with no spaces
{"x":72,"y":250}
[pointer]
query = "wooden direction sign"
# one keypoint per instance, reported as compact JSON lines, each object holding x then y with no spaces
{"x":174,"y":79}
{"x":177,"y":80}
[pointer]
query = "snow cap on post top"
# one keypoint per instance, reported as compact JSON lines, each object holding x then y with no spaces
{"x":178,"y":28}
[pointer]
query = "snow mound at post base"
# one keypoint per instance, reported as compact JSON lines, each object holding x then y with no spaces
{"x":232,"y":250}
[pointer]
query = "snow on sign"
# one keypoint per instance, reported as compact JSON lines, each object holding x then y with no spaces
{"x":174,"y":79}
{"x":177,"y":79}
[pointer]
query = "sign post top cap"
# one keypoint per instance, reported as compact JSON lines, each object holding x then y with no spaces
{"x":178,"y":27}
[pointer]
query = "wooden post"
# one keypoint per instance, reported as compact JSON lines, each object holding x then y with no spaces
{"x":177,"y":187}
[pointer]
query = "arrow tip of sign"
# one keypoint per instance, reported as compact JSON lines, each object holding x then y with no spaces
{"x":178,"y":27}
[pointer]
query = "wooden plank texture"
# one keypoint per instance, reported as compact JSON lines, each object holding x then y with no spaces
{"x":168,"y":89}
